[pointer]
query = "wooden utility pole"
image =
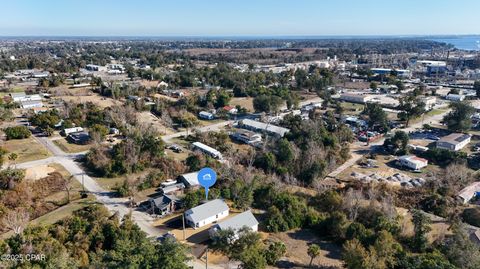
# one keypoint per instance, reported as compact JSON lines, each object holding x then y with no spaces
{"x":206,"y":258}
{"x":183,"y":224}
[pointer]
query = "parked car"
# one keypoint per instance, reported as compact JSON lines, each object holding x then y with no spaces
{"x":175,"y":148}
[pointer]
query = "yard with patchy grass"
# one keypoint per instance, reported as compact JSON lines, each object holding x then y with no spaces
{"x":246,"y":102}
{"x":27,"y":150}
{"x":68,"y":147}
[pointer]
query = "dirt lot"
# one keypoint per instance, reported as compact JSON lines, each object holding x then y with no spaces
{"x":95,"y":99}
{"x":297,"y":242}
{"x":151,"y":120}
{"x":27,"y":150}
{"x":386,"y":167}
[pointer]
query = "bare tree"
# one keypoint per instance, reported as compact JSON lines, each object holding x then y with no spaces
{"x":16,"y":220}
{"x":352,"y":202}
{"x":67,"y":187}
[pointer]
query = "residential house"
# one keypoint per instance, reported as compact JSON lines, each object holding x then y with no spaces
{"x":164,"y":204}
{"x":412,"y":162}
{"x":190,"y":180}
{"x":469,"y":192}
{"x":207,"y":150}
{"x":206,"y":115}
{"x":72,"y":130}
{"x":247,"y":137}
{"x":236,"y":223}
{"x":455,"y":141}
{"x":206,"y":213}
{"x":257,"y":126}
{"x":80,"y":138}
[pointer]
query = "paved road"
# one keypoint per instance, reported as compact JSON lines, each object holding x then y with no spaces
{"x":106,"y":197}
{"x":358,"y":150}
{"x":113,"y":204}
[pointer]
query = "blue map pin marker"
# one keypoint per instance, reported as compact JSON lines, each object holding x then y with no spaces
{"x":207,"y":177}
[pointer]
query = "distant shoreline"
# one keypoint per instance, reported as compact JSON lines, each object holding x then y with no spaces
{"x":238,"y":37}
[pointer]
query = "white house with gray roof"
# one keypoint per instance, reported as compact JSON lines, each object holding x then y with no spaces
{"x":190,"y":180}
{"x":206,"y":213}
{"x":245,"y":219}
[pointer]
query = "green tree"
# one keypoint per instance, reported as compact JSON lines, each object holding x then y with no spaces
{"x":398,"y":144}
{"x":476,"y":87}
{"x":267,"y":103}
{"x":17,"y":132}
{"x":376,"y":116}
{"x":13,"y":157}
{"x":460,"y":250}
{"x":274,"y":252}
{"x":373,"y":85}
{"x":354,"y":254}
{"x":410,"y":108}
{"x":421,"y":227}
{"x":459,"y":119}
{"x":313,"y":251}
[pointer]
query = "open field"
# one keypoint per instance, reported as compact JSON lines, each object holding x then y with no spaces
{"x":68,"y":147}
{"x":27,"y":149}
{"x":297,"y":242}
{"x":149,"y":119}
{"x":246,"y":102}
{"x":98,"y":100}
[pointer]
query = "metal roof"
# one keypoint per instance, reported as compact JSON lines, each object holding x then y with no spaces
{"x":191,"y":179}
{"x":237,"y":222}
{"x":264,"y":127}
{"x":207,"y":210}
{"x":455,"y":138}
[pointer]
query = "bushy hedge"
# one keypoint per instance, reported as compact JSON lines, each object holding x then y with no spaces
{"x":17,"y":132}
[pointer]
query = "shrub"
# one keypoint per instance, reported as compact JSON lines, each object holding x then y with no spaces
{"x":17,"y":132}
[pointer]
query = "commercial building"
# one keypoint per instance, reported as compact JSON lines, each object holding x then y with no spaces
{"x":430,"y":102}
{"x":454,"y":142}
{"x":412,"y":162}
{"x":257,"y":126}
{"x":355,"y":98}
{"x":455,"y":97}
{"x":207,"y":150}
{"x":30,"y":104}
{"x":207,"y":213}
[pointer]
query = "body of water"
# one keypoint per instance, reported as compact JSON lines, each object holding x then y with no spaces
{"x":461,"y":42}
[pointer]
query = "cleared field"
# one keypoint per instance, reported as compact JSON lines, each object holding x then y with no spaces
{"x":98,"y":100}
{"x":246,"y":102}
{"x":27,"y":150}
{"x":297,"y":242}
{"x":70,"y":147}
{"x":149,"y":119}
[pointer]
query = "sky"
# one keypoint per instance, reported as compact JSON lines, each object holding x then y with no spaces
{"x":238,"y":17}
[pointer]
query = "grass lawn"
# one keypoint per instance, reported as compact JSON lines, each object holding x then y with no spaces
{"x":27,"y":149}
{"x":70,"y":147}
{"x":109,"y":183}
{"x":351,"y":108}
